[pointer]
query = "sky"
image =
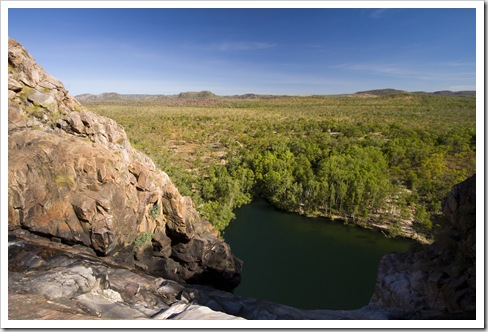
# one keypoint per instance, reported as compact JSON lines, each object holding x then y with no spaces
{"x":293,"y":51}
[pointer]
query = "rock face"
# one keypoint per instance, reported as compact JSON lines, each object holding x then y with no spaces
{"x":441,"y":277}
{"x":74,"y":177}
{"x":71,"y":282}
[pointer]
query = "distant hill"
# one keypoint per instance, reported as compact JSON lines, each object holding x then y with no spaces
{"x":448,"y":93}
{"x":192,"y":95}
{"x":106,"y":96}
{"x":102,"y":96}
{"x":257,"y":96}
{"x":109,"y":96}
{"x":381,"y":92}
{"x":198,"y":95}
{"x":389,"y":92}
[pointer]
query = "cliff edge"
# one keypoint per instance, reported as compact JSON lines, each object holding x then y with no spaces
{"x":442,"y":276}
{"x":73,"y":177}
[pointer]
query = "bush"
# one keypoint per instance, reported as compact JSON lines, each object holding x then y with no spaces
{"x":422,"y":220}
{"x":142,"y":239}
{"x":155,"y":211}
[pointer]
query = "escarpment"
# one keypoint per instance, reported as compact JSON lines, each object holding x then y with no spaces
{"x":74,"y":177}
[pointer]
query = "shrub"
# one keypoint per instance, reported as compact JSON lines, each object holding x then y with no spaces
{"x":422,"y":219}
{"x":142,"y":239}
{"x":155,"y":211}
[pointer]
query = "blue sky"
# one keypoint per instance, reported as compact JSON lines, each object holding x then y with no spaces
{"x":237,"y":51}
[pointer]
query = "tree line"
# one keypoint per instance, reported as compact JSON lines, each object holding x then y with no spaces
{"x":358,"y":180}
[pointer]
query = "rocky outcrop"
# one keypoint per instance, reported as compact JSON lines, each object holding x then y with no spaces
{"x":71,"y":282}
{"x":59,"y":281}
{"x":74,"y":177}
{"x":441,"y":277}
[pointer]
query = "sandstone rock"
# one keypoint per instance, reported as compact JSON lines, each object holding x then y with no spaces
{"x":45,"y":100}
{"x":169,"y":290}
{"x":64,"y":282}
{"x":146,"y":297}
{"x":13,"y":85}
{"x":171,"y":311}
{"x":35,"y":307}
{"x":108,"y":304}
{"x":78,"y":283}
{"x":73,"y":176}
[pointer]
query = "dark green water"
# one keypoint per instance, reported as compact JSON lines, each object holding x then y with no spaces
{"x":309,"y":263}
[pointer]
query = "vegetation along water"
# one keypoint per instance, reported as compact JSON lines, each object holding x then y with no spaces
{"x":383,"y":159}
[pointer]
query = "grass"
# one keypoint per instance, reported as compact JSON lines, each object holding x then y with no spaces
{"x":64,"y":180}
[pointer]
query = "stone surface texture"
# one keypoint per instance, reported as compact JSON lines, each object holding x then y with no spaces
{"x":72,"y":282}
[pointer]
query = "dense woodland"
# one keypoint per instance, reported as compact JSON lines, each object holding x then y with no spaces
{"x":368,"y":160}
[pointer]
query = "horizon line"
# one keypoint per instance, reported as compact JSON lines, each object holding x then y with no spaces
{"x":273,"y":94}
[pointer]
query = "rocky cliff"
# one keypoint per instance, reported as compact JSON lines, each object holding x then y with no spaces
{"x":441,"y":277}
{"x":73,"y":177}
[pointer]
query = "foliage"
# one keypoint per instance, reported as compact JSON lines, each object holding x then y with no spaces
{"x":142,"y":239}
{"x":346,"y":156}
{"x":154,"y":211}
{"x":422,"y":219}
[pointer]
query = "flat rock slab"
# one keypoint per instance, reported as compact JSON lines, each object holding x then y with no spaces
{"x":42,"y":99}
{"x":35,"y":306}
{"x":203,"y":313}
{"x":108,"y":304}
